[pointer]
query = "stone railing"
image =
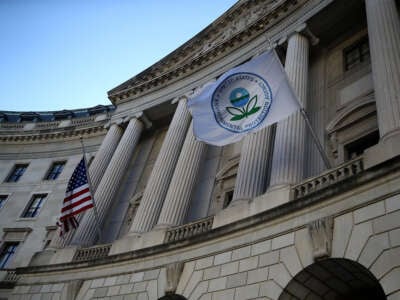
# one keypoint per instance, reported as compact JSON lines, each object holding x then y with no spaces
{"x":328,"y":178}
{"x":8,"y":278}
{"x":188,"y":230}
{"x":11,"y":276}
{"x":47,"y":125}
{"x":82,"y":121}
{"x":11,"y":126}
{"x":92,"y":253}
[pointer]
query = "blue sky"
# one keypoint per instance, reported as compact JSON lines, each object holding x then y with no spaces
{"x":67,"y":54}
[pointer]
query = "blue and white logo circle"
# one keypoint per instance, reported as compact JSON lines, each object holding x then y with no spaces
{"x":241,"y":102}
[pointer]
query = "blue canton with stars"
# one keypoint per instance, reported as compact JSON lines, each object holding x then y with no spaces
{"x":78,"y":178}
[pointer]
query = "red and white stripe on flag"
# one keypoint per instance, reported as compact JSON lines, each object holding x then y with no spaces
{"x":76,"y":201}
{"x":77,"y":198}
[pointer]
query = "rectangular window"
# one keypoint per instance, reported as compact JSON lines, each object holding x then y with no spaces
{"x":34,"y":206}
{"x":3,"y":199}
{"x":356,"y":53}
{"x":17,"y":172}
{"x":55,"y":170}
{"x":7,"y":253}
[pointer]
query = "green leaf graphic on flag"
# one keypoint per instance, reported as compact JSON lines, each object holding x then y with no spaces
{"x":239,"y":114}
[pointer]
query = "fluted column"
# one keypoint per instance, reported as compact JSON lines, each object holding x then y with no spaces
{"x":179,"y":193}
{"x":289,"y":147}
{"x":86,"y":233}
{"x":96,"y":171}
{"x":252,"y":176}
{"x":384,"y":38}
{"x":104,"y":155}
{"x":160,"y":178}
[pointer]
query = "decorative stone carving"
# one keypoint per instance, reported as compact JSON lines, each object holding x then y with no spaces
{"x":174,"y":272}
{"x":321,"y":233}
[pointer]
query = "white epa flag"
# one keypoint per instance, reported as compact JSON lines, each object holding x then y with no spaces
{"x":245,"y":99}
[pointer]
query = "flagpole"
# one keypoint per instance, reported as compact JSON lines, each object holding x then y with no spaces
{"x":90,"y":188}
{"x":315,"y":138}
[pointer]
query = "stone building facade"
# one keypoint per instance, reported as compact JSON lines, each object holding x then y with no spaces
{"x":264,"y":218}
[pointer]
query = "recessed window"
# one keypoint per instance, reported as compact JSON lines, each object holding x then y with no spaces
{"x":34,"y":206}
{"x":17,"y":172}
{"x":7,"y":253}
{"x":55,"y":170}
{"x":227,"y":198}
{"x":356,"y":54}
{"x":356,"y":148}
{"x":3,"y":199}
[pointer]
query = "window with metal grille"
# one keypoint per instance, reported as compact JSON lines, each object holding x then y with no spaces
{"x":356,"y":53}
{"x":33,"y":208}
{"x":3,"y":199}
{"x":7,"y":253}
{"x":55,"y":170}
{"x":17,"y":172}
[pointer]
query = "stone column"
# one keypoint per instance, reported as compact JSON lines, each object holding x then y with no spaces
{"x":182,"y":184}
{"x":86,"y":233}
{"x":160,"y":178}
{"x":289,"y":147}
{"x":104,"y":155}
{"x":252,"y":176}
{"x":384,"y":39}
{"x":96,"y":171}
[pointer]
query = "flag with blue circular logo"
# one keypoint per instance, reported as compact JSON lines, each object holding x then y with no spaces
{"x":245,"y":99}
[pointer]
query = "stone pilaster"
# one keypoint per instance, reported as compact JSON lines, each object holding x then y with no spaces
{"x":289,"y":147}
{"x":86,"y":233}
{"x":96,"y":171}
{"x":252,"y":176}
{"x":384,"y":39}
{"x":179,"y":193}
{"x":160,"y":178}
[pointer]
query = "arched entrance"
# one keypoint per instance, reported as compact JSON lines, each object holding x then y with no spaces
{"x":172,"y":297}
{"x":334,"y":279}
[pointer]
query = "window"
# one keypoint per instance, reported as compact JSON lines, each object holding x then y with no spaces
{"x":55,"y":170}
{"x":3,"y":199}
{"x":228,"y":198}
{"x":7,"y":252}
{"x":356,"y":148}
{"x":34,"y":206}
{"x":356,"y":53}
{"x":17,"y":172}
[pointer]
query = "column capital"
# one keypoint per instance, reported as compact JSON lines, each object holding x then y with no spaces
{"x":305,"y":31}
{"x":183,"y":97}
{"x":141,"y":116}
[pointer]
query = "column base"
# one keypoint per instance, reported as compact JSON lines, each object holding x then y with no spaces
{"x":387,"y":148}
{"x":239,"y":202}
{"x":63,"y":255}
{"x":243,"y":209}
{"x":135,"y":241}
{"x":43,"y":257}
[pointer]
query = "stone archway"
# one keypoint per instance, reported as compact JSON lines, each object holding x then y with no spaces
{"x":172,"y":297}
{"x":334,"y":279}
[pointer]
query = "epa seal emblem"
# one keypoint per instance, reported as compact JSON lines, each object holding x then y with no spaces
{"x":241,"y":102}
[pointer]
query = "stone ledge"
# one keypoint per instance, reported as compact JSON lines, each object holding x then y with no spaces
{"x":364,"y":177}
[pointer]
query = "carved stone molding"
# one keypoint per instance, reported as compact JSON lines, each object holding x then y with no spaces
{"x":321,"y":233}
{"x":174,"y":272}
{"x":237,"y":27}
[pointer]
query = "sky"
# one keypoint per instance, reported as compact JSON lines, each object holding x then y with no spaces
{"x":67,"y":54}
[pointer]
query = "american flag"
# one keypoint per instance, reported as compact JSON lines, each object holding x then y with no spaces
{"x":77,"y":198}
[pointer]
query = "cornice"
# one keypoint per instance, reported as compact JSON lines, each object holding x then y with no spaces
{"x":19,"y":135}
{"x":242,"y":23}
